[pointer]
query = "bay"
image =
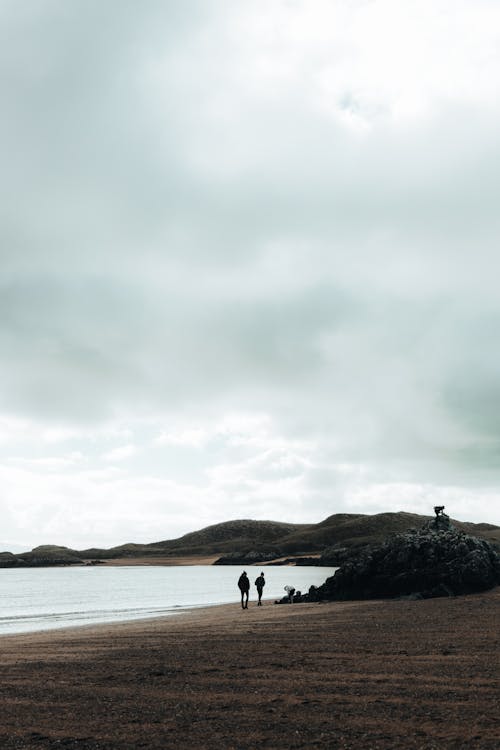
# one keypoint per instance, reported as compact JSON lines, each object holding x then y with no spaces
{"x":47,"y":598}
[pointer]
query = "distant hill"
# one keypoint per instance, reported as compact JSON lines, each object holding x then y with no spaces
{"x":225,"y":537}
{"x":257,"y":540}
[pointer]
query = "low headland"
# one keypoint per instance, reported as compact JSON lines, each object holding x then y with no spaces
{"x":246,"y":542}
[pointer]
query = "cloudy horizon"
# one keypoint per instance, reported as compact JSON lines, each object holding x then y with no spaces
{"x":249,"y":261}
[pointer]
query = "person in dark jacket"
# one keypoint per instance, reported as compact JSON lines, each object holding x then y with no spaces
{"x":260,"y":582}
{"x":244,"y":587}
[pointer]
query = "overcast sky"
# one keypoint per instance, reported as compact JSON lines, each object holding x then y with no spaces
{"x":249,"y":263}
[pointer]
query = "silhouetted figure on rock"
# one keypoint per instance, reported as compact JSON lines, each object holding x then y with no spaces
{"x":442,"y":520}
{"x":244,"y":587}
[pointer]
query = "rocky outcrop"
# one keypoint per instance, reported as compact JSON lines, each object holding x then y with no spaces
{"x":338,"y":555}
{"x":8,"y":560}
{"x":49,"y":554}
{"x":273,"y":557}
{"x":436,"y":560}
{"x":248,"y":558}
{"x":303,"y":561}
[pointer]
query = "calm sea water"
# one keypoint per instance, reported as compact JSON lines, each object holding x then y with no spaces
{"x":46,"y":598}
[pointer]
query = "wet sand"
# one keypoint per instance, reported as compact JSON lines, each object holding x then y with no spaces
{"x":391,"y":674}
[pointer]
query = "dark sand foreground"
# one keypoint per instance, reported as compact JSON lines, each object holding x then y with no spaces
{"x":392,"y":674}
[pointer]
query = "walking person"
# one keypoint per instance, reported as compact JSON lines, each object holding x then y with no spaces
{"x":244,"y":587}
{"x":260,"y":582}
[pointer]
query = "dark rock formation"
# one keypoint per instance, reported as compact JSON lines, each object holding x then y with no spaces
{"x":49,"y":554}
{"x":259,"y":556}
{"x":337,"y":555}
{"x":297,"y":561}
{"x":8,"y":560}
{"x":436,"y":560}
{"x":248,"y":558}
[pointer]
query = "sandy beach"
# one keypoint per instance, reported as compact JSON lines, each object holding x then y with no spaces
{"x":186,"y":560}
{"x":162,"y":560}
{"x":387,"y":674}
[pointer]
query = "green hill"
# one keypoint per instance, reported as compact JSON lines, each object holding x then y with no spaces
{"x":232,"y":536}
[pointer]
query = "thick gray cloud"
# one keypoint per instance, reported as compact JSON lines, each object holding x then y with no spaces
{"x":248,"y":263}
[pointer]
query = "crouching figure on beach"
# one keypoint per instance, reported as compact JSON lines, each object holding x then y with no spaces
{"x":260,"y":582}
{"x":244,"y":587}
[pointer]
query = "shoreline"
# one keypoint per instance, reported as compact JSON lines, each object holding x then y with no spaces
{"x":379,"y":675}
{"x":203,"y":614}
{"x":80,"y":597}
{"x":101,"y":628}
